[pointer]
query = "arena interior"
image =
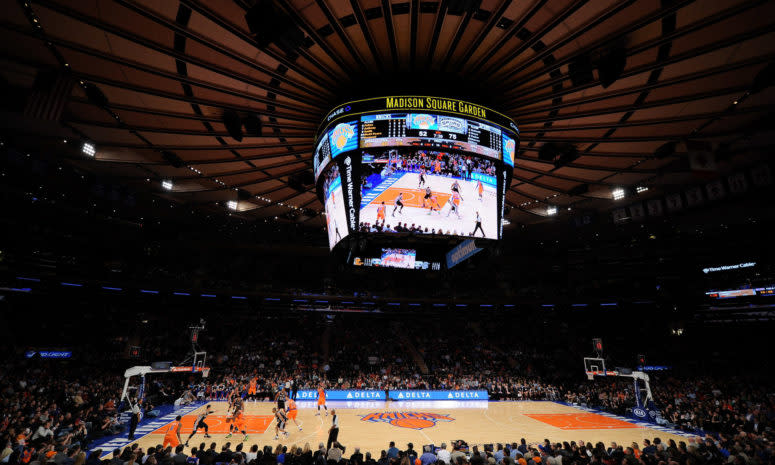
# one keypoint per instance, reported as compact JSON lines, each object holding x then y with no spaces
{"x":396,"y":232}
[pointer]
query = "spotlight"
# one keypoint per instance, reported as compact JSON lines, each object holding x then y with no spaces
{"x":618,"y":194}
{"x":167,"y":185}
{"x":88,"y":149}
{"x":641,"y":189}
{"x":232,"y":205}
{"x":551,"y":211}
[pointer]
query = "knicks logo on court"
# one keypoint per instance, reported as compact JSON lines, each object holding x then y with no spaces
{"x":412,"y":420}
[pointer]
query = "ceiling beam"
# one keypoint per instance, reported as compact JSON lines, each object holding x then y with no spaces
{"x":310,"y":94}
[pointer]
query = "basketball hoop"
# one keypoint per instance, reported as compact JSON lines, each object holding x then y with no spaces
{"x":205,"y":372}
{"x":590,"y":375}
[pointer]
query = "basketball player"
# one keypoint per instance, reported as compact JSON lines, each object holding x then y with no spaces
{"x":322,"y":400}
{"x":336,"y":232}
{"x":234,"y":395}
{"x":478,"y":225}
{"x":172,"y":436}
{"x":454,"y":203}
{"x":381,"y":213}
{"x":479,"y":189}
{"x":279,"y":415}
{"x":200,"y":423}
{"x":238,"y":421}
{"x":422,"y":177}
{"x":456,"y":187}
{"x":252,"y":388}
{"x":434,"y":205}
{"x":292,"y":411}
{"x":399,"y":203}
{"x":427,"y":196}
{"x":280,"y":398}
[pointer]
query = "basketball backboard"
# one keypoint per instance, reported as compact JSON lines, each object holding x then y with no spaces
{"x":594,"y":367}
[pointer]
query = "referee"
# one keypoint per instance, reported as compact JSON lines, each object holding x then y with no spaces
{"x":333,"y":432}
{"x":134,"y":419}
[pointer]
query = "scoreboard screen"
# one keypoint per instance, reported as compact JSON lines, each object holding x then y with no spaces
{"x":322,"y":156}
{"x":404,"y":169}
{"x":431,"y":131}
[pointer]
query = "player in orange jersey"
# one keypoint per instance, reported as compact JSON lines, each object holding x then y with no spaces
{"x":454,"y":203}
{"x":322,"y":400}
{"x":238,"y":423}
{"x":252,"y":386}
{"x":381,"y":213}
{"x":172,"y":436}
{"x":292,"y":411}
{"x":434,"y":205}
{"x":479,"y":189}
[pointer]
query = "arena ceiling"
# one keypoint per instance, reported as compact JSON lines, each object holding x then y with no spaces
{"x":169,"y":69}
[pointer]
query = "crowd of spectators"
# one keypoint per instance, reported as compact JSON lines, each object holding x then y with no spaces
{"x":737,"y":449}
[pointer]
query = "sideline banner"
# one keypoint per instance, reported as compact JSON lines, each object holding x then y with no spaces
{"x":403,"y":395}
{"x":438,"y":395}
{"x":309,"y":394}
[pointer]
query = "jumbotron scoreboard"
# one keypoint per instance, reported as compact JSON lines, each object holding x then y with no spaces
{"x":396,"y":169}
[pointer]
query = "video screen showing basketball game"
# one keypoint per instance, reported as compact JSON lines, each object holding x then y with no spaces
{"x":336,"y":219}
{"x":321,"y":157}
{"x":398,"y":258}
{"x":428,"y":192}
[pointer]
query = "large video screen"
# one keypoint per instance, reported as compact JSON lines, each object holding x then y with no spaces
{"x":428,"y":192}
{"x":336,"y":218}
{"x":431,"y":131}
{"x":398,"y":258}
{"x":322,"y":156}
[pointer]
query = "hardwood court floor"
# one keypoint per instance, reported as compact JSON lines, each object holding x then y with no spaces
{"x":371,"y":425}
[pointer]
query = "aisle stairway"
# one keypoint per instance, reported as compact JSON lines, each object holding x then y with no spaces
{"x":411,"y":349}
{"x":325,"y":344}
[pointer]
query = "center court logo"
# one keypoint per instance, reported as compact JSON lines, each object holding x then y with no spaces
{"x":411,"y":420}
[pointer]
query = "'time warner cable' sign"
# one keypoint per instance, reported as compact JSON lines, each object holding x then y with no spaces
{"x":349,"y":183}
{"x":728,"y":267}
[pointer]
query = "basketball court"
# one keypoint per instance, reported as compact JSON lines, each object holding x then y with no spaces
{"x":371,"y":425}
{"x":441,"y":186}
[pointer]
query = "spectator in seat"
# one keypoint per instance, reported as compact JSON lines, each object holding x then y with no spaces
{"x":357,"y":457}
{"x":427,"y":457}
{"x":443,"y":454}
{"x":410,"y":453}
{"x":180,"y":457}
{"x":335,"y":453}
{"x":392,"y":452}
